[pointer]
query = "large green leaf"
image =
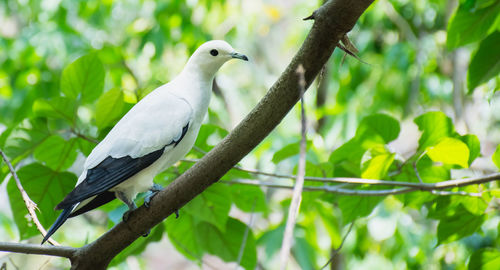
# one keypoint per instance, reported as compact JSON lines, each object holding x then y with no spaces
{"x":474,"y":146}
{"x":46,"y":188}
{"x":288,"y":151}
{"x":83,"y":79}
{"x":212,"y":205}
{"x":249,"y":198}
{"x":139,"y":245}
{"x":226,"y":245}
{"x":57,"y":153}
{"x":434,"y":126}
{"x":357,"y":206}
{"x":58,"y":107}
{"x":469,"y":24}
{"x":378,"y":124}
{"x":26,"y":137}
{"x":485,"y":63}
{"x":109,"y":107}
{"x":485,"y":259}
{"x":458,"y":225}
{"x":450,"y":151}
{"x":182,"y":234}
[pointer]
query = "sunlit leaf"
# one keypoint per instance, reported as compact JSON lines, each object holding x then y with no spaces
{"x":378,"y":163}
{"x":83,"y":79}
{"x":434,"y":126}
{"x":450,"y":151}
{"x":474,"y":146}
{"x":496,"y":157}
{"x":182,"y":234}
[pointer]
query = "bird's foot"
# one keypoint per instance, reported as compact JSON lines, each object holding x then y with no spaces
{"x":126,"y":215}
{"x":152,"y":192}
{"x":176,"y":214}
{"x":145,"y":234}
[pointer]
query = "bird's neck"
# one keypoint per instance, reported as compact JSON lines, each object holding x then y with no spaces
{"x":197,"y":91}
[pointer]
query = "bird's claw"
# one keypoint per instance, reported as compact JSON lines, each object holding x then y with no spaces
{"x":152,"y":192}
{"x":145,"y":234}
{"x":126,"y":215}
{"x":176,"y":214}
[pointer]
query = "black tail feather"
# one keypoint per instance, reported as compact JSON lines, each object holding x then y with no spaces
{"x":59,"y":221}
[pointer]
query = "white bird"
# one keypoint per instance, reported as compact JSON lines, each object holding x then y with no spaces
{"x":157,"y":132}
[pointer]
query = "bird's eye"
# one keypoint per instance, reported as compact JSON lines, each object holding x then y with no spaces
{"x":214,"y":52}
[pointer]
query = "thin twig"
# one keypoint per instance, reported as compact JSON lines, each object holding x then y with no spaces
{"x":245,"y":236}
{"x":376,"y":182}
{"x":344,"y":191}
{"x":59,"y":251}
{"x":30,"y":205}
{"x":336,"y":251}
{"x":83,"y":136}
{"x":293,"y":211}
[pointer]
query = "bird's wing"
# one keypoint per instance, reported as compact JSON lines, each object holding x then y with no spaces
{"x":154,"y":125}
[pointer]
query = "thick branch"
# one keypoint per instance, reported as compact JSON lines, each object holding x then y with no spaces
{"x":331,"y":22}
{"x":59,"y":251}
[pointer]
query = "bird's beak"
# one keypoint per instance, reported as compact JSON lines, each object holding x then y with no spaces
{"x":239,"y":56}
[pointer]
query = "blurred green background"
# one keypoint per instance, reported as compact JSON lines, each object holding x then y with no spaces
{"x":426,"y":90}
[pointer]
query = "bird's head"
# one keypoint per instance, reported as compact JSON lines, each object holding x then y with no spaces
{"x":211,"y":55}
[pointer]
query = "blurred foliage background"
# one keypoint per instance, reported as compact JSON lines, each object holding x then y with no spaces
{"x":422,"y":108}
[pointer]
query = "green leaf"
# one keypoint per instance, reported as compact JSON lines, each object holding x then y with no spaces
{"x":26,"y":137}
{"x":434,"y":126}
{"x":474,"y":146}
{"x":207,"y":132}
{"x":496,"y":157}
{"x":58,"y":107}
{"x":109,"y":108}
{"x":226,"y":245}
{"x":85,"y":146}
{"x":378,"y":124}
{"x":212,"y":205}
{"x":450,"y":151}
{"x":57,"y":153}
{"x":485,"y":63}
{"x":83,"y":79}
{"x":139,"y":245}
{"x":357,"y":206}
{"x":272,"y":240}
{"x":475,"y":205}
{"x":378,"y":162}
{"x":469,"y":25}
{"x":182,"y":234}
{"x":46,"y":188}
{"x":304,"y":253}
{"x":462,"y":223}
{"x":484,"y":259}
{"x":288,"y":151}
{"x":249,"y":198}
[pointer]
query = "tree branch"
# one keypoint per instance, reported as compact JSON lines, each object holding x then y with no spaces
{"x":59,"y":251}
{"x":353,"y":192}
{"x":30,"y":205}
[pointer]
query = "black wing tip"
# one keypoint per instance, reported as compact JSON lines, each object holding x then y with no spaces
{"x":58,"y":223}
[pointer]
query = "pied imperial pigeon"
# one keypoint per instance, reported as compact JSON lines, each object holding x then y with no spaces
{"x":157,"y":132}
